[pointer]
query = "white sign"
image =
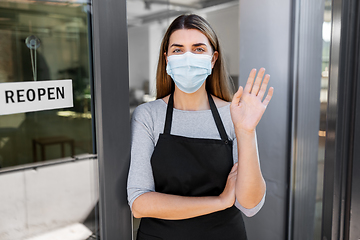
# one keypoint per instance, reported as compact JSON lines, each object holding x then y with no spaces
{"x":18,"y":97}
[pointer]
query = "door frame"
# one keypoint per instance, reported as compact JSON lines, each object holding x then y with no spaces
{"x":340,"y":200}
{"x":111,"y":92}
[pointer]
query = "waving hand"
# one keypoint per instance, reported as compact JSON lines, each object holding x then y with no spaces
{"x":248,"y":106}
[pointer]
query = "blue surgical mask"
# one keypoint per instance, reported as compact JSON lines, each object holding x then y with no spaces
{"x":189,"y":71}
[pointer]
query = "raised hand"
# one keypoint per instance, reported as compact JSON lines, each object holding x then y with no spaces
{"x":248,"y":106}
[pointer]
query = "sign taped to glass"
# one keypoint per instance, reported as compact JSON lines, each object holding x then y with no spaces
{"x":18,"y":97}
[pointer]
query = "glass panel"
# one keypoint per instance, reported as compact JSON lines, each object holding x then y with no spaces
{"x":60,"y":197}
{"x":62,"y":54}
{"x":147,"y":23}
{"x":323,"y":107}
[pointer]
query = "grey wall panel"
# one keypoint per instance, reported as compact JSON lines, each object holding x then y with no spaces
{"x":265,"y":42}
{"x":112,"y":116}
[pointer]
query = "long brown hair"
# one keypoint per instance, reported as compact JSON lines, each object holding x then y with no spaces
{"x":218,"y":83}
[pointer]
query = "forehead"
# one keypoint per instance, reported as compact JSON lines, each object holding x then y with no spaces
{"x":188,"y":37}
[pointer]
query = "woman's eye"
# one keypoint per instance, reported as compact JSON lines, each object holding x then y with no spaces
{"x":176,"y":51}
{"x":200,"y":50}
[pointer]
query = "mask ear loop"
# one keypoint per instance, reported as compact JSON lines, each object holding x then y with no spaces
{"x":167,"y":75}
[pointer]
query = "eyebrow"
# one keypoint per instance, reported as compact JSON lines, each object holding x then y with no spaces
{"x":199,"y":44}
{"x":194,"y":45}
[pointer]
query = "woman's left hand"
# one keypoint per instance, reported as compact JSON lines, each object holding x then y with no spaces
{"x":248,"y":106}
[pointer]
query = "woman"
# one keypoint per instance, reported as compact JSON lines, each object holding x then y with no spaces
{"x":183,"y":182}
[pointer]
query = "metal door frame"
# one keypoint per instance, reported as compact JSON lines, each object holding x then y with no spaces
{"x":111,"y":93}
{"x":341,"y":155}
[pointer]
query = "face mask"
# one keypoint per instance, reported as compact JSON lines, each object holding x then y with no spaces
{"x":189,"y":71}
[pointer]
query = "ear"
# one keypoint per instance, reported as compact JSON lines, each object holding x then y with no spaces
{"x":214,"y":58}
{"x":165,"y":57}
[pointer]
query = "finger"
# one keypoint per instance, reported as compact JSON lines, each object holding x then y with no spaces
{"x":236,"y":99}
{"x":257,"y":83}
{"x":250,"y":81}
{"x":269,"y":96}
{"x":234,"y":168}
{"x":264,"y":86}
{"x":232,"y":175}
{"x":233,"y":171}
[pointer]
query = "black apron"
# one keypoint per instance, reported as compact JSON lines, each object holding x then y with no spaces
{"x":193,"y":167}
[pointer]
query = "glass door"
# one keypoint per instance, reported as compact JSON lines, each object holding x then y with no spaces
{"x":48,"y":169}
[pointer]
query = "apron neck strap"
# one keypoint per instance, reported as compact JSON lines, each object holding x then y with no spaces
{"x":214,"y":111}
{"x":217,"y":118}
{"x":169,"y":114}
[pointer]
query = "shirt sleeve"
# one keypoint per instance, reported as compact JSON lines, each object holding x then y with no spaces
{"x":140,"y":178}
{"x":249,"y":212}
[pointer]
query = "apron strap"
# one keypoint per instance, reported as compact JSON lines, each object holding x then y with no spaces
{"x":217,"y":119}
{"x":214,"y":111}
{"x":169,"y":114}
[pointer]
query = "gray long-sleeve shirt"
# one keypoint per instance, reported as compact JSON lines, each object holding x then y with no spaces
{"x":148,"y":122}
